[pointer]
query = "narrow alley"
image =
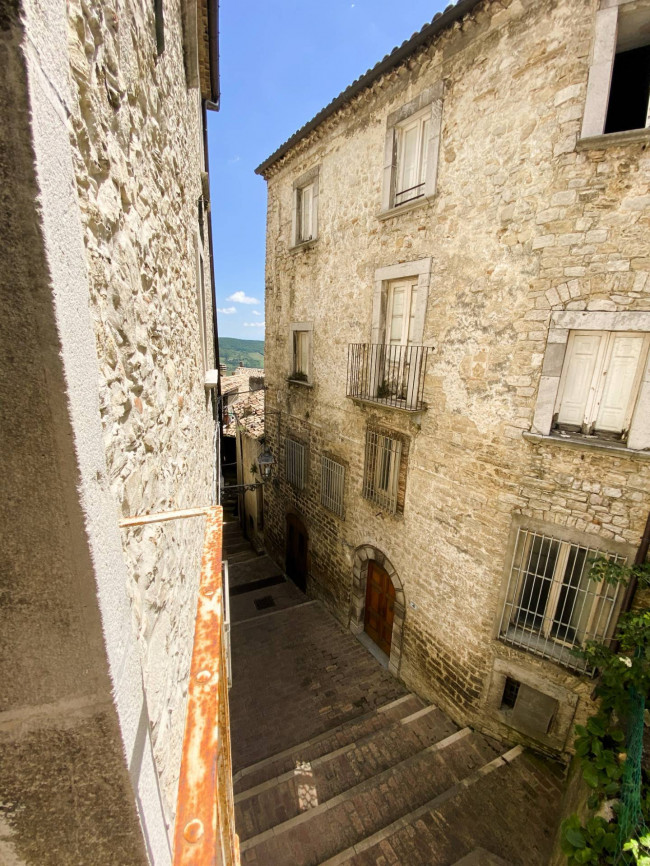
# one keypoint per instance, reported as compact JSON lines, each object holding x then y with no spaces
{"x":335,"y":762}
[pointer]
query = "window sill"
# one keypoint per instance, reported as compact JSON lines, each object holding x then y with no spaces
{"x":378,"y":401}
{"x":404,"y":208}
{"x":613,"y":139}
{"x":291,"y":381}
{"x":303,"y":245}
{"x":580,"y":442}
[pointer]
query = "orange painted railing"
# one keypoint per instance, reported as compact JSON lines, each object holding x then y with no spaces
{"x":205,"y":825}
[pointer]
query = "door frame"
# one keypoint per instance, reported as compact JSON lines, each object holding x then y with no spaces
{"x":362,"y":556}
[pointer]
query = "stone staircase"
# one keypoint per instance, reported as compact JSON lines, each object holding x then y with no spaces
{"x":399,"y":785}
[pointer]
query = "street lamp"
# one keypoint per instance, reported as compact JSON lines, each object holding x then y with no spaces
{"x":266,"y":462}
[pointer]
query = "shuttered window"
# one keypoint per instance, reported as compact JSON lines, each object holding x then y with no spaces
{"x":332,"y":485}
{"x":301,"y":340}
{"x":295,"y":463}
{"x":306,"y":205}
{"x":412,"y":153}
{"x":600,"y":381}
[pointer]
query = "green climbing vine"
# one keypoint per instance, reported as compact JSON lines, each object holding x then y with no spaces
{"x":619,"y":804}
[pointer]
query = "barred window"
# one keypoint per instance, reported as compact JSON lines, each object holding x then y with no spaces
{"x":295,"y":463}
{"x":381,"y":474}
{"x":332,"y":485}
{"x":551,"y":605}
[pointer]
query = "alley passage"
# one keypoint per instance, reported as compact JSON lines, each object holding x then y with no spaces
{"x":336,"y":763}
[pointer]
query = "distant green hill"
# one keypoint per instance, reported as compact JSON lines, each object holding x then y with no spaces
{"x":233,"y":351}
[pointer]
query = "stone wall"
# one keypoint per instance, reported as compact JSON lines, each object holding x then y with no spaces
{"x":524,"y":223}
{"x":101,"y":159}
{"x":137,"y":140}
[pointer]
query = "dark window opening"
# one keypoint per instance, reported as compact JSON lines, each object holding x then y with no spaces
{"x":510,"y":692}
{"x":160,"y":26}
{"x":629,"y":91}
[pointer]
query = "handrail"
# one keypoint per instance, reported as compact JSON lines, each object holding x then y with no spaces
{"x":204,"y":833}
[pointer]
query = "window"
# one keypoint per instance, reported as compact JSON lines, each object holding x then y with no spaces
{"x":382,"y":469}
{"x":618,"y":90}
{"x":401,"y":315}
{"x":551,"y":605}
{"x":305,"y":208}
{"x":412,"y":141}
{"x":600,"y":382}
{"x":510,"y":692}
{"x":595,"y":383}
{"x":160,"y":26}
{"x":411,"y":150}
{"x":332,"y":485}
{"x":295,"y":463}
{"x":301,"y":352}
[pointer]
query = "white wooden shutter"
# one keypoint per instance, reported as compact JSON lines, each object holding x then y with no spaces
{"x":577,"y":391}
{"x":620,"y":374}
{"x":424,"y":149}
{"x":306,"y":213}
{"x":413,"y":306}
{"x":396,"y":318}
{"x":408,"y":158}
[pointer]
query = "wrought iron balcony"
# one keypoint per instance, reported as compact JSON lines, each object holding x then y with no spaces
{"x":390,"y":375}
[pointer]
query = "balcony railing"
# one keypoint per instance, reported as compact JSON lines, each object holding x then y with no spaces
{"x":390,"y":375}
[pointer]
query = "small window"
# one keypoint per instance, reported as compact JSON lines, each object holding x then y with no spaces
{"x":295,"y":463}
{"x":551,"y":604}
{"x":629,"y":92}
{"x":412,"y":138}
{"x":305,"y":208}
{"x":332,"y":485}
{"x":510,"y":692}
{"x":301,"y":352}
{"x":382,"y":470}
{"x":160,"y":26}
{"x":600,"y":382}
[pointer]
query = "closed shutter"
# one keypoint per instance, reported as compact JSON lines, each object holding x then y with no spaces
{"x":424,"y":150}
{"x":398,"y":298}
{"x":579,"y":372}
{"x":408,"y":158}
{"x":621,"y":365}
{"x":306,"y":213}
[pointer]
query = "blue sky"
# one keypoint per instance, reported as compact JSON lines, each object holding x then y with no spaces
{"x":281,"y":62}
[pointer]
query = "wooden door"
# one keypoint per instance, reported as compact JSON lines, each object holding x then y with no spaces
{"x":296,"y":555}
{"x":380,"y":604}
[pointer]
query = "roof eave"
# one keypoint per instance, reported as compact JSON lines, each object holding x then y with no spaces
{"x":395,"y":58}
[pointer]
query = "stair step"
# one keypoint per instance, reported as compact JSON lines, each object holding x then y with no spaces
{"x":498,"y":809}
{"x":236,"y":546}
{"x":481,"y":857}
{"x":286,"y":796}
{"x":342,"y":735}
{"x":242,"y":556}
{"x":344,"y":821}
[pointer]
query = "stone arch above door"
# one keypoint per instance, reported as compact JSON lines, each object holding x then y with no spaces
{"x":362,"y":556}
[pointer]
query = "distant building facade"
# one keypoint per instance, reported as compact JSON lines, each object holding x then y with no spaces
{"x":458,"y":320}
{"x":108,"y":346}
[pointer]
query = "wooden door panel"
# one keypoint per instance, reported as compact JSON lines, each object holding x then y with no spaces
{"x":379,"y":612}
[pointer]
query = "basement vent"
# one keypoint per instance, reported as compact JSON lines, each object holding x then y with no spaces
{"x":532,"y":711}
{"x":295,"y":463}
{"x":332,"y":485}
{"x":510,"y":692}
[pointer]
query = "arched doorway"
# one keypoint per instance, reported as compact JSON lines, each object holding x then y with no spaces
{"x":380,"y":607}
{"x":296,"y":551}
{"x":377,"y":604}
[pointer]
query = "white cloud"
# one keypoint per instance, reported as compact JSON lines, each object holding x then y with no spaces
{"x":242,"y":298}
{"x":254,"y":324}
{"x":227,"y":311}
{"x":256,"y":312}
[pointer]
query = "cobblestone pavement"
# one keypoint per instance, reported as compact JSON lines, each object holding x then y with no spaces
{"x":296,"y":673}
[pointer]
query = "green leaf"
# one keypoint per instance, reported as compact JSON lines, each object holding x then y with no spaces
{"x":576,"y":838}
{"x":590,"y":775}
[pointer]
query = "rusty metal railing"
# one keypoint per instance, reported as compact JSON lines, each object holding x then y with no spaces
{"x":390,"y":375}
{"x":205,"y":826}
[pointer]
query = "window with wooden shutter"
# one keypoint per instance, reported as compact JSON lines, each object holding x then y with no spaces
{"x":412,"y":156}
{"x":301,"y":353}
{"x":600,"y":381}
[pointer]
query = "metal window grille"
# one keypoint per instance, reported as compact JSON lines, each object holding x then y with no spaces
{"x":332,"y":485}
{"x":552,"y":607}
{"x":381,"y":475}
{"x":295,"y":463}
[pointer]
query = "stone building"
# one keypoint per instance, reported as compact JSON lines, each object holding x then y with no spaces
{"x":108,"y":356}
{"x":457,"y":327}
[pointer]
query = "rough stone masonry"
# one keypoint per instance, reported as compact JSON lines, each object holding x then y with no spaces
{"x":530,"y":221}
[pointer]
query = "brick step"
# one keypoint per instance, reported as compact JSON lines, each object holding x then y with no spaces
{"x":495,"y":810}
{"x":346,"y":820}
{"x":342,"y":735}
{"x":244,"y":555}
{"x":321,"y":779}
